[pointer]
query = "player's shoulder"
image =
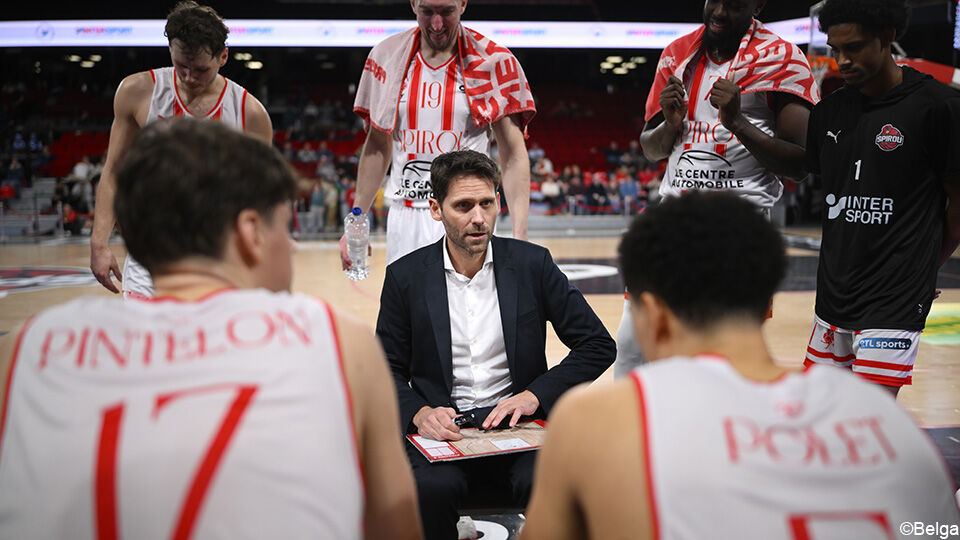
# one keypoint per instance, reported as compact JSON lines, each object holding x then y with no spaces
{"x":844,"y":386}
{"x":392,"y":43}
{"x":834,"y":100}
{"x":77,"y":310}
{"x":594,"y":406}
{"x":936,"y":92}
{"x":141,"y":81}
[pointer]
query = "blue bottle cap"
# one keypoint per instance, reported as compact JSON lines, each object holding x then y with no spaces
{"x":356,"y":211}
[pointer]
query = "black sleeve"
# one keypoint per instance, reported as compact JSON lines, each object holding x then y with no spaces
{"x":395,"y":333}
{"x":592,"y":350}
{"x":945,"y":134}
{"x":814,"y":136}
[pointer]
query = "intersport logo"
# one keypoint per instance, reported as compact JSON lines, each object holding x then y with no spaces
{"x":863,"y":210}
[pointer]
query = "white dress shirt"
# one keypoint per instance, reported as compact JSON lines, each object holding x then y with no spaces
{"x":481,"y":376}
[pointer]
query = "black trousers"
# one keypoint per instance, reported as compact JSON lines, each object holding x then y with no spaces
{"x":443,"y":486}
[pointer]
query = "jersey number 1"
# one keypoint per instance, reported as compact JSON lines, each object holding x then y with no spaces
{"x":856,"y":175}
{"x":106,"y":471}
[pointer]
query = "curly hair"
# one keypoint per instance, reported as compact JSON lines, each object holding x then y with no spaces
{"x":872,"y":15}
{"x":709,"y":257}
{"x":200,"y":28}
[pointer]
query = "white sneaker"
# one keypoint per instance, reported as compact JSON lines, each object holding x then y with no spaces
{"x":466,"y":529}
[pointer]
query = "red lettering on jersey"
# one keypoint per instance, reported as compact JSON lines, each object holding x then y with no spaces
{"x":147,"y":348}
{"x":287,"y":323}
{"x":48,"y":341}
{"x":177,"y":109}
{"x":83,"y":346}
{"x":757,"y":438}
{"x":217,"y":115}
{"x":746,"y":441}
{"x":101,"y":338}
{"x":430,"y":95}
{"x":242,"y":340}
{"x":855,"y":442}
{"x":178,"y":349}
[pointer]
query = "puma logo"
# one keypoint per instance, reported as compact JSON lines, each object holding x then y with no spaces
{"x":830,"y":134}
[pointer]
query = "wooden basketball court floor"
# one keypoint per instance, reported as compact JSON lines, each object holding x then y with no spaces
{"x":934,"y":397}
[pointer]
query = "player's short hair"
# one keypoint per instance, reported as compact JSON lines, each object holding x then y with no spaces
{"x":448,"y":167}
{"x":708,"y":256}
{"x":200,"y":28}
{"x":183,"y":182}
{"x":872,"y":15}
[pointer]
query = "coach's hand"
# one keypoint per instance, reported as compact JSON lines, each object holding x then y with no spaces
{"x":102,"y":262}
{"x":437,"y":423}
{"x":673,"y":103}
{"x":725,"y":97}
{"x":523,"y":404}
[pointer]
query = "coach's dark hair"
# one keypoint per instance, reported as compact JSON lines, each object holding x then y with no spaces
{"x":872,"y":15}
{"x":183,"y":183}
{"x":198,"y":27}
{"x":452,"y":165}
{"x":708,"y":256}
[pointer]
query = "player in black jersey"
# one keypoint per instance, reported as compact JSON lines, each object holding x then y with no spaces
{"x":887,"y":149}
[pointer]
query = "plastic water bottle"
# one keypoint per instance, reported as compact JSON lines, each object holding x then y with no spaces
{"x":356,"y":227}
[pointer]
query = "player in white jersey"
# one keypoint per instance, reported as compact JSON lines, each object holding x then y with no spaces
{"x":433,"y":116}
{"x":191,"y":88}
{"x":729,"y":110}
{"x":225,"y":407}
{"x":713,"y":439}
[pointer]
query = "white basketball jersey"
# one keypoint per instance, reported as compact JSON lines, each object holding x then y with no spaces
{"x":166,"y":102}
{"x":818,"y":455}
{"x":433,"y":119}
{"x":707,"y":156}
{"x":227,"y":417}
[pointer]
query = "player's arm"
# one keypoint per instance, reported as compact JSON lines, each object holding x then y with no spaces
{"x":577,"y":492}
{"x":374,"y":162}
{"x":516,"y":171}
{"x":391,"y":505}
{"x":951,"y":225}
{"x":782,"y":154}
{"x":134,"y":91}
{"x":660,"y":133}
{"x":258,"y":121}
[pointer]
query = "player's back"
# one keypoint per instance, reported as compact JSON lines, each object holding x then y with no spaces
{"x":818,"y":455}
{"x":223,"y":418}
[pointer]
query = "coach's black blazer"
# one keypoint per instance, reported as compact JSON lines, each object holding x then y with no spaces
{"x":414,"y":326}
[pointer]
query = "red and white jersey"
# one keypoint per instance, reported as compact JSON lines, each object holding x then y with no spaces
{"x":707,"y":156}
{"x":814,"y":455}
{"x":166,"y":103}
{"x":433,"y":119}
{"x":227,"y":417}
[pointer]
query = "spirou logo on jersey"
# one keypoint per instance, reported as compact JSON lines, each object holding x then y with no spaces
{"x":889,"y":138}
